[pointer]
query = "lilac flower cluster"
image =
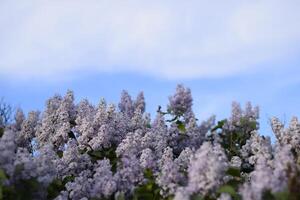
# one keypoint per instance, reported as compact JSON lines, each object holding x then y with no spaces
{"x":82,"y":151}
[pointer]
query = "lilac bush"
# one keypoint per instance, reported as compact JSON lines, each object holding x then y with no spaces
{"x":81,"y":151}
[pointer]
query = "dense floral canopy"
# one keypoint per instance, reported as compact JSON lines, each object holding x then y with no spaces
{"x":82,"y":151}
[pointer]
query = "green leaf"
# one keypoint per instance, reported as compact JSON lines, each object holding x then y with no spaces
{"x":219,"y":125}
{"x":82,"y":151}
{"x":227,"y":189}
{"x":60,"y":153}
{"x":148,"y":190}
{"x":197,"y":197}
{"x":267,"y":195}
{"x":234,"y":183}
{"x":253,"y":125}
{"x":148,"y":174}
{"x":284,"y":195}
{"x":26,"y":189}
{"x":1,"y":192}
{"x":19,"y":168}
{"x":143,"y":196}
{"x":58,"y":185}
{"x":109,"y":153}
{"x":1,"y":132}
{"x":2,"y":175}
{"x":181,"y":126}
{"x":68,"y":179}
{"x":233,"y":171}
{"x":172,"y":120}
{"x":120,"y":196}
{"x":54,"y":189}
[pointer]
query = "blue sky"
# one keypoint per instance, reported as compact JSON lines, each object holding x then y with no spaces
{"x":223,"y":51}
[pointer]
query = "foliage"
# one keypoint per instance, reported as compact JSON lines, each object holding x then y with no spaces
{"x":109,"y":153}
{"x":149,"y":190}
{"x":175,"y":118}
{"x":233,"y":139}
{"x":1,"y":131}
{"x":57,"y":186}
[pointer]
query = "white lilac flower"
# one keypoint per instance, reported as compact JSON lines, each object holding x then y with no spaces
{"x":126,"y":105}
{"x":129,"y":173}
{"x":49,"y":121}
{"x":261,"y":180}
{"x":24,"y":165}
{"x":103,"y":182}
{"x":239,"y":116}
{"x":206,"y":169}
{"x":269,"y":174}
{"x":84,"y":110}
{"x":102,"y":139}
{"x":120,"y":127}
{"x":56,"y":122}
{"x":109,"y":125}
{"x":85,"y":115}
{"x":235,"y":162}
{"x":182,"y":194}
{"x":283,"y":162}
{"x":181,"y":102}
{"x":131,"y":145}
{"x":139,"y":120}
{"x":61,"y":135}
{"x":81,"y":186}
{"x":86,"y":131}
{"x":251,"y":113}
{"x":183,"y":164}
{"x":176,"y":139}
{"x":236,"y":112}
{"x":197,"y":133}
{"x":28,"y":129}
{"x":294,"y":133}
{"x":8,"y":150}
{"x":19,"y":119}
{"x":66,"y":114}
{"x":102,"y":129}
{"x":100,"y":115}
{"x":157,"y":137}
{"x":46,"y":163}
{"x":288,"y":136}
{"x":72,"y":162}
{"x":183,"y":160}
{"x":147,"y":159}
{"x":277,"y":128}
{"x":256,"y":147}
{"x":139,"y":103}
{"x":169,"y":176}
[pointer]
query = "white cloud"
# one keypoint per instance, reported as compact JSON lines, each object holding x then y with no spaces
{"x":169,"y":39}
